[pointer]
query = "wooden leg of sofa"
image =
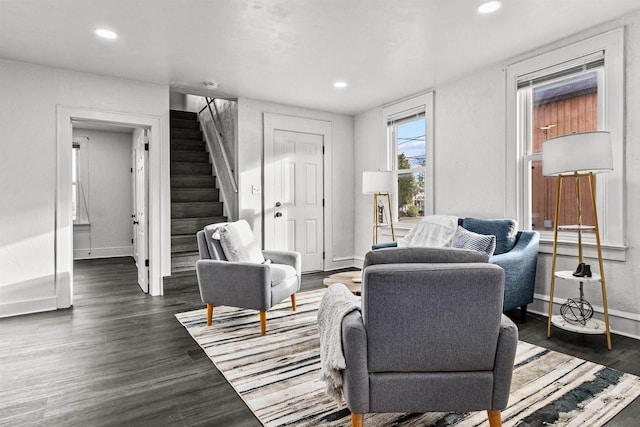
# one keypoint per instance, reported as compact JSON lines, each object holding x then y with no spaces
{"x":293,"y":302}
{"x":357,"y":420}
{"x":523,"y":313}
{"x":263,"y":322}
{"x":495,"y":420}
{"x":209,"y":314}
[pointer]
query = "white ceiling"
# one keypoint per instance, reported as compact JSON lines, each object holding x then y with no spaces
{"x":291,"y":51}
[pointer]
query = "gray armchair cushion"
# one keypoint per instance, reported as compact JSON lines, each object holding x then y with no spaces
{"x":433,"y":329}
{"x":281,"y":272}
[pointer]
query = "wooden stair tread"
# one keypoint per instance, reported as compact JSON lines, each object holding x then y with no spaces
{"x":178,"y":114}
{"x":192,"y":182}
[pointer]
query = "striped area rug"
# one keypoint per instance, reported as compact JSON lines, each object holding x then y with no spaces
{"x":277,"y":375}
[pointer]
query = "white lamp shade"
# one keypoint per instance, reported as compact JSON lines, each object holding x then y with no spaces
{"x":378,"y":182}
{"x":578,"y":152}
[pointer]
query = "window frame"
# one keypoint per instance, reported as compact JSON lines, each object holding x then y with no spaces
{"x":610,"y":187}
{"x":419,"y":104}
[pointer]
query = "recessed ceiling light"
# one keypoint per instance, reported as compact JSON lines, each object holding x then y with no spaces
{"x":213,"y":85}
{"x":489,"y":6}
{"x":106,"y":34}
{"x":340,"y":85}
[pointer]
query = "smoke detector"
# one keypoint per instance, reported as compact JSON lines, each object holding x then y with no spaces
{"x":211,"y":85}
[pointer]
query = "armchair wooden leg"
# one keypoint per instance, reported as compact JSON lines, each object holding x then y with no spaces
{"x":209,"y":314}
{"x":263,"y":322}
{"x":293,"y":302}
{"x":495,"y":420}
{"x":357,"y":420}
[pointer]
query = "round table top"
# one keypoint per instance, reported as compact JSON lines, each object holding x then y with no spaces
{"x":351,"y":279}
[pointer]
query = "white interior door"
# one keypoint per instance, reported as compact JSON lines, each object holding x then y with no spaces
{"x":298,"y":195}
{"x":294,"y":213}
{"x":140,"y":218}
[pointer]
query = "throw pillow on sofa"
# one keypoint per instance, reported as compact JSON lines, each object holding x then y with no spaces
{"x":505,"y":231}
{"x":465,"y":239}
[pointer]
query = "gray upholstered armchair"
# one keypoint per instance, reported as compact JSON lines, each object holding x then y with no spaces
{"x":251,"y":285}
{"x":431,"y":336}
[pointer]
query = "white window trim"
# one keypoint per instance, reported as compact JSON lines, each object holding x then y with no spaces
{"x":610,"y":185}
{"x":422,"y":102}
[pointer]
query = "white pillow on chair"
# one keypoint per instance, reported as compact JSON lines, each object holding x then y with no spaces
{"x":238,"y":243}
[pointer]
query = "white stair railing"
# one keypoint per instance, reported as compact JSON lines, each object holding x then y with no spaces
{"x":220,"y":160}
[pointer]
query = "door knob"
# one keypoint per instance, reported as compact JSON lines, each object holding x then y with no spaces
{"x":278,"y":204}
{"x":278,"y":214}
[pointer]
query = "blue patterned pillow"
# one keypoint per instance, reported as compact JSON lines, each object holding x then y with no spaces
{"x":466,"y":239}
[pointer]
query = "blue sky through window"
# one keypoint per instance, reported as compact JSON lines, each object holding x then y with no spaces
{"x":411,"y":141}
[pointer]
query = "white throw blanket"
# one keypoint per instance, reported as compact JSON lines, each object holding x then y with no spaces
{"x":434,"y":231}
{"x":335,"y":304}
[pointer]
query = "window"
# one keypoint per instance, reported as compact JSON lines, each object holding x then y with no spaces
{"x":560,"y":106}
{"x":80,"y":180}
{"x":408,"y":139}
{"x":578,"y":88}
{"x":410,"y":147}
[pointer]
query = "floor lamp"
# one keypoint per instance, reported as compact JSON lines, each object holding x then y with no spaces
{"x":571,"y":157}
{"x":380,"y":184}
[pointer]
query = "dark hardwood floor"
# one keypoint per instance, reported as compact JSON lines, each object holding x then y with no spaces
{"x":119,"y":358}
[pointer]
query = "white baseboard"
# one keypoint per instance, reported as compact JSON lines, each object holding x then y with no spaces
{"x":27,"y":307}
{"x":338,"y":263}
{"x":620,"y":322}
{"x":116,"y":251}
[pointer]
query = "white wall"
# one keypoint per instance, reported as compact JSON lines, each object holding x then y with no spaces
{"x":371,"y":155}
{"x":30,"y":94}
{"x":109,"y":196}
{"x":470,"y":170}
{"x":340,"y":204}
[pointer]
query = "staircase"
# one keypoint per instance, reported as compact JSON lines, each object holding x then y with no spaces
{"x":194,"y":196}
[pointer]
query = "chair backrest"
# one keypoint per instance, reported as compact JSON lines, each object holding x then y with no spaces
{"x":422,"y":255}
{"x":427,"y":317}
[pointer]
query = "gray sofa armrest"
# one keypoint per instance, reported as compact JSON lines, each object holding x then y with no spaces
{"x":356,"y":376}
{"x":246,"y":284}
{"x":520,"y":265}
{"x":503,"y":368}
{"x":384,"y":245}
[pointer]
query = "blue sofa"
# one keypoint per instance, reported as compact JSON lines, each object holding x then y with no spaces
{"x":516,"y":252}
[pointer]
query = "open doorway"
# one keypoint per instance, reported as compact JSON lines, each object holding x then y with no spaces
{"x":109,"y":193}
{"x":70,"y":118}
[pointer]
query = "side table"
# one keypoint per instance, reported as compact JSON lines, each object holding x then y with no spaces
{"x":351,"y":279}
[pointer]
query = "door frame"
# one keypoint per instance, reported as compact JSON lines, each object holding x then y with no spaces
{"x":63,"y":237}
{"x":273,"y":122}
